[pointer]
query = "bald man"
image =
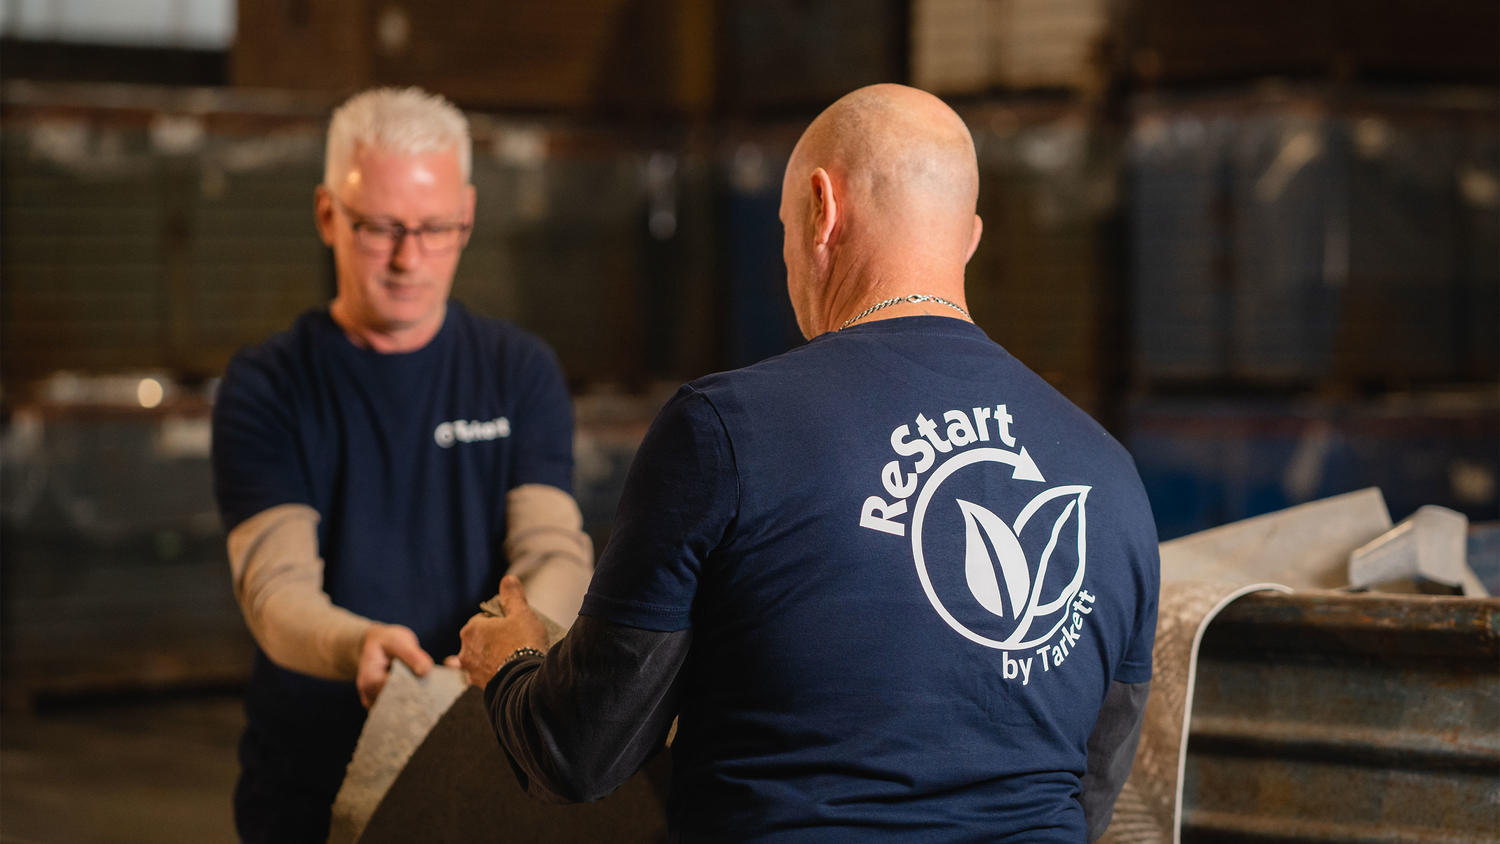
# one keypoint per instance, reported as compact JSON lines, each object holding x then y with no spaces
{"x":893,"y":585}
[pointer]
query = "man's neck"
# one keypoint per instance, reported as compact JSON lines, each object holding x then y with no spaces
{"x":386,"y":341}
{"x":850,"y":294}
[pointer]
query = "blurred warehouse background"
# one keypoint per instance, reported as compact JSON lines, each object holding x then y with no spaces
{"x":1259,"y":241}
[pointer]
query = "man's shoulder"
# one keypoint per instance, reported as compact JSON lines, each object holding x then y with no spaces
{"x":884,"y":367}
{"x":852,"y":362}
{"x":285,"y":348}
{"x":767,"y":371}
{"x":494,"y":334}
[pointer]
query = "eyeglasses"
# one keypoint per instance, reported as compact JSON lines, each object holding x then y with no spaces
{"x":374,"y":238}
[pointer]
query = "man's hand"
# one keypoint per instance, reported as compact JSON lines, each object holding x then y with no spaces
{"x":488,"y":640}
{"x":383,"y":643}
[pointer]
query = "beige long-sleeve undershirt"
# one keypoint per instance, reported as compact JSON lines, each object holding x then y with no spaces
{"x":278,"y":578}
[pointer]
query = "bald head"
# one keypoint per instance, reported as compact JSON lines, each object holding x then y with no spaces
{"x":896,"y":170}
{"x":903,"y":157}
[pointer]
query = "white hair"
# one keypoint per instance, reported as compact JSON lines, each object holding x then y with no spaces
{"x":407,"y":121}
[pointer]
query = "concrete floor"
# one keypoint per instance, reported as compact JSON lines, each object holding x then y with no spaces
{"x":139,"y":771}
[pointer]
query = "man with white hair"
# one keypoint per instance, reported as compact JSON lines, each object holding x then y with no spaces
{"x":893,"y":585}
{"x":381,"y":464}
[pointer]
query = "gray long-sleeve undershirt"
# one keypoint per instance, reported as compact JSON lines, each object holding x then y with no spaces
{"x":580,"y":724}
{"x":1111,"y":750}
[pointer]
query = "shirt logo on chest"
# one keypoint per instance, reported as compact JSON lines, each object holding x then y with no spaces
{"x":1005,"y":576}
{"x":447,"y":434}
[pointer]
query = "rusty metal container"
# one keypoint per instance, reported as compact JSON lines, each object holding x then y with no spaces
{"x":1337,"y":717}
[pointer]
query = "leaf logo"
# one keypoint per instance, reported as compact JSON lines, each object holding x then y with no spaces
{"x":999,"y":577}
{"x":980,"y":573}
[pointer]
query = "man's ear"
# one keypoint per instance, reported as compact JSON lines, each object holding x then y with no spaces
{"x":974,"y":239}
{"x":469,"y":196}
{"x":323,"y":214}
{"x":825,"y":207}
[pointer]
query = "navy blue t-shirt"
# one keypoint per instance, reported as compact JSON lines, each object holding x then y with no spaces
{"x":407,"y":458}
{"x":911,"y":568}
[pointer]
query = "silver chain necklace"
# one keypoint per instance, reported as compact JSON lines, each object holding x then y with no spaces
{"x":913,"y":298}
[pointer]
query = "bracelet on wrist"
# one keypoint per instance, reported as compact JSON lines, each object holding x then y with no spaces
{"x":523,"y":652}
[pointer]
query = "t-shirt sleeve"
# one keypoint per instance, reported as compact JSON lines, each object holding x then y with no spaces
{"x":255,"y":453}
{"x":542,"y":423}
{"x":1136,"y":665}
{"x":680,"y":497}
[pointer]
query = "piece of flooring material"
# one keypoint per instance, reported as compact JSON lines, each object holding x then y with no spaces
{"x":1304,"y":547}
{"x":1150,"y":804}
{"x":401,"y":719}
{"x":429,"y":768}
{"x":1430,"y":544}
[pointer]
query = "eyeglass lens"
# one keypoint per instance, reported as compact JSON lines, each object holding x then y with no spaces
{"x":387,"y":238}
